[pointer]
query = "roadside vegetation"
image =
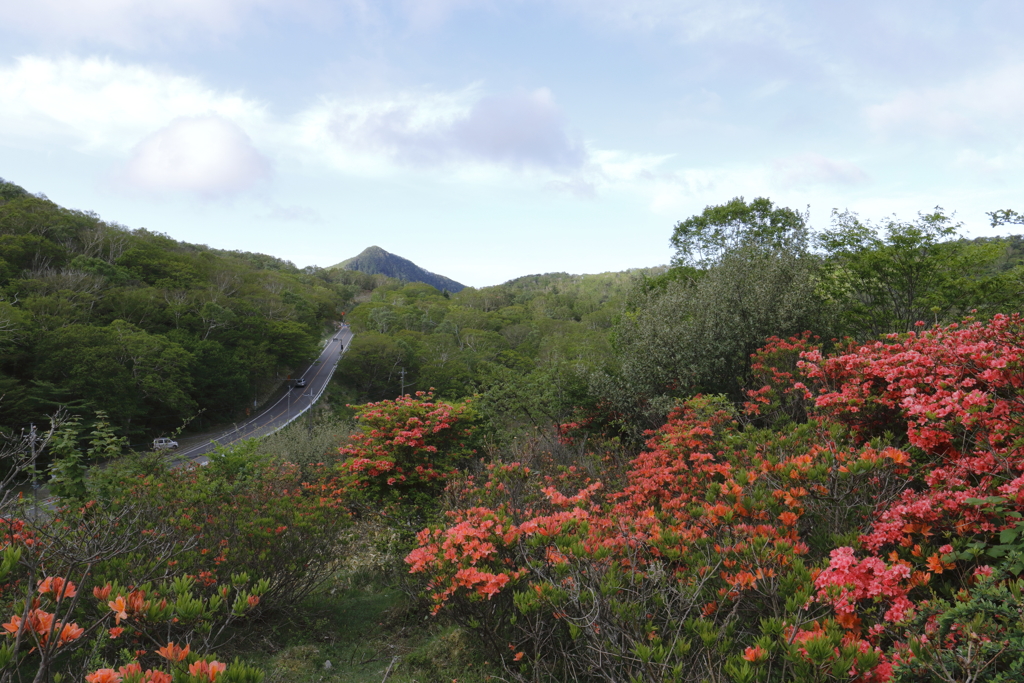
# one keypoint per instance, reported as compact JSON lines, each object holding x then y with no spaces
{"x":787,"y":456}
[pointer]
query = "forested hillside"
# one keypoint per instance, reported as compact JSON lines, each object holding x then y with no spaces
{"x":95,"y":316}
{"x":470,"y":341}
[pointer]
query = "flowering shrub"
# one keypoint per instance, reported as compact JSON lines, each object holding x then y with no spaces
{"x":51,"y":625}
{"x":148,"y":575}
{"x":44,"y":624}
{"x":407,"y":450}
{"x":798,"y":550}
{"x":701,"y":546}
{"x":240,"y":515}
{"x":176,"y":609}
{"x":165,"y":556}
{"x":43,"y":618}
{"x":182,"y":666}
{"x":977,"y":636}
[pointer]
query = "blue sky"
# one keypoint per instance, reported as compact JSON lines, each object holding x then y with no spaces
{"x":487,"y":139}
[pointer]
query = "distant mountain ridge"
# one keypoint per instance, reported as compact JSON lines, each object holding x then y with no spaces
{"x":376,"y":261}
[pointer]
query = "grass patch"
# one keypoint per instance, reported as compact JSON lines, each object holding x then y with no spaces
{"x":366,"y":626}
{"x":363,"y":633}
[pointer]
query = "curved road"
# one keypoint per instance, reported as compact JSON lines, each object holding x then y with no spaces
{"x":290,"y":406}
{"x":294,"y":403}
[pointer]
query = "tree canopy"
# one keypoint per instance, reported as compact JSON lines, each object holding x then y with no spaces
{"x":886,"y":277}
{"x":702,"y":240}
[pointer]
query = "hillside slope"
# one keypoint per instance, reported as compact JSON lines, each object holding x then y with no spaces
{"x":149,"y":330}
{"x":376,"y":261}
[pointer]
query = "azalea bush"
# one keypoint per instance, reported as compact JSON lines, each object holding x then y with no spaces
{"x":177,"y":665}
{"x":242,"y":514}
{"x":703,"y":553}
{"x":147,"y":557}
{"x":59,"y":613}
{"x":978,"y":635}
{"x":406,"y":452}
{"x":801,"y":538}
{"x":44,"y":636}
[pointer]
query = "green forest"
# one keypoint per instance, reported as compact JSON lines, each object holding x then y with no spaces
{"x":153,"y":332}
{"x":794,"y":453}
{"x":549,"y":346}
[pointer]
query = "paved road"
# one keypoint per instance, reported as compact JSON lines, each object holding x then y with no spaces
{"x":290,"y":406}
{"x":294,"y":403}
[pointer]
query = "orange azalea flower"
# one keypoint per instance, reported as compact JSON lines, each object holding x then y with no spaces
{"x":744,"y":579}
{"x":208,"y":669}
{"x":13,"y":625}
{"x":104,"y":676}
{"x":41,"y":622}
{"x":253,"y":600}
{"x":848,"y":621}
{"x":150,"y":676}
{"x":101,"y":593}
{"x":920,"y":578}
{"x":936,"y":565}
{"x":135,"y":601}
{"x":116,"y":632}
{"x":173,"y":653}
{"x":70,"y":632}
{"x":61,"y":589}
{"x":754,"y":654}
{"x":898,"y":457}
{"x":118,"y":607}
{"x":519,"y":655}
{"x":788,"y":518}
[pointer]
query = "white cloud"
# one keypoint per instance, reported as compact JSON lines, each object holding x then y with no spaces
{"x":207,"y":155}
{"x":975,"y":108}
{"x":672,"y":191}
{"x":102,"y":106}
{"x":98,"y":105}
{"x":686,"y":19}
{"x":518,"y":131}
{"x":215,"y":143}
{"x":813,"y":169}
{"x":619,"y":166}
{"x":687,"y":191}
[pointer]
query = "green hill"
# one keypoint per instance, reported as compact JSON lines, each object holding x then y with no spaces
{"x":152,"y":331}
{"x":376,"y":261}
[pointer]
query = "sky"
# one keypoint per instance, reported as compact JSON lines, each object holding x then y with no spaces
{"x":488,"y":139}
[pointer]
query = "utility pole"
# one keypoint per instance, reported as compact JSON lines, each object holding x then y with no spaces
{"x":402,"y":375}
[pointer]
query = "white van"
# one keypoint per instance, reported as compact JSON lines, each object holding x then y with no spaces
{"x":163,"y":443}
